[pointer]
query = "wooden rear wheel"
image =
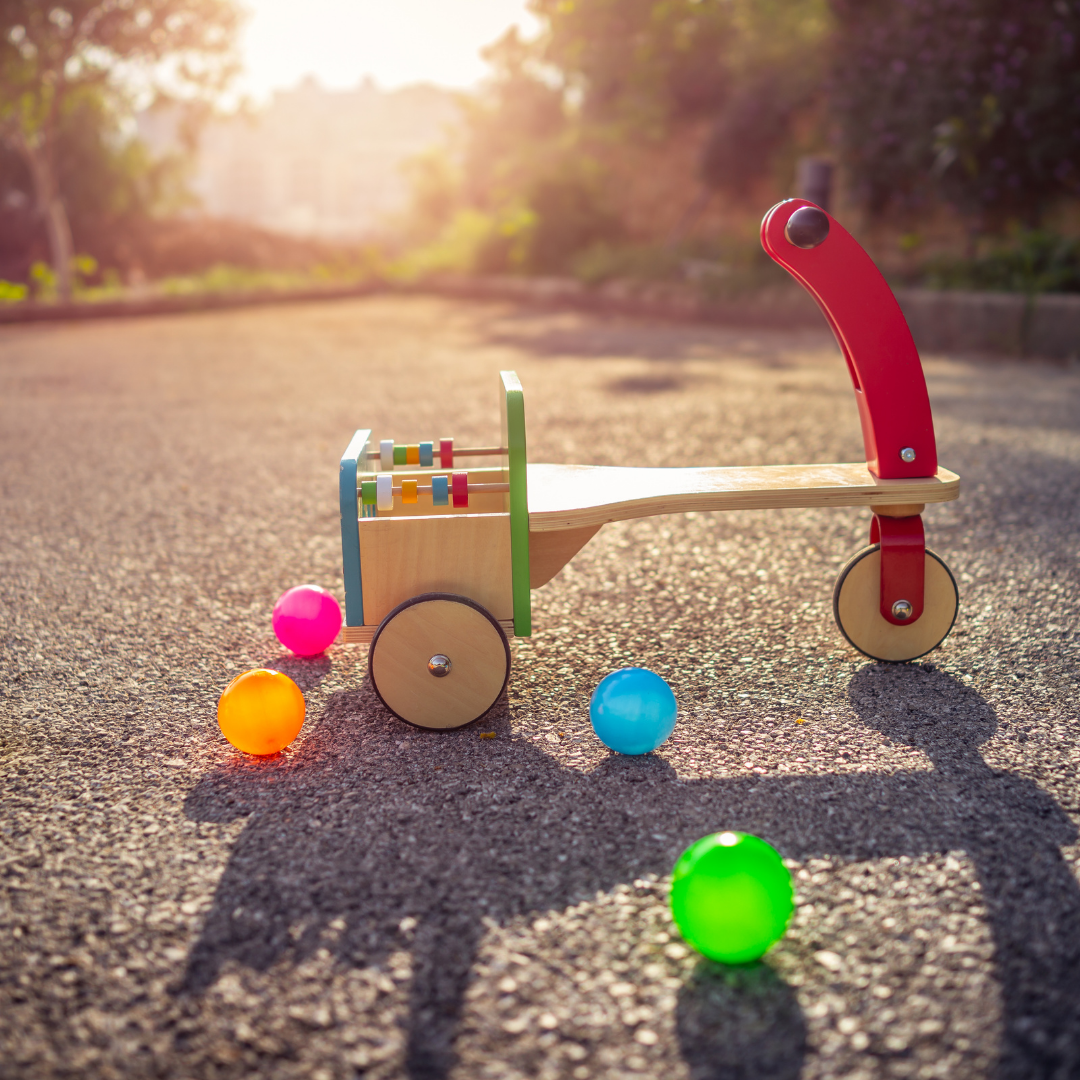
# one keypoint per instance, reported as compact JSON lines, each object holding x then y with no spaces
{"x":856,"y":607}
{"x":439,"y":661}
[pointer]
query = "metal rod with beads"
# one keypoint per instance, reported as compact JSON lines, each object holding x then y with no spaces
{"x":390,"y":453}
{"x":378,"y":495}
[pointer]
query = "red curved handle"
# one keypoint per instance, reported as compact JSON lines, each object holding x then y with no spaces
{"x":873,"y":335}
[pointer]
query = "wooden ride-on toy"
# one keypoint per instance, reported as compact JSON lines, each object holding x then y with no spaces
{"x":439,"y":561}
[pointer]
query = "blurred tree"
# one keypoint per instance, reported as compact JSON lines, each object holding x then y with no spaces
{"x":651,"y":62}
{"x":60,"y":66}
{"x":434,"y":186}
{"x":571,"y":215}
{"x":752,"y":69}
{"x":109,"y":187}
{"x":974,"y":100}
{"x":556,"y":148}
{"x":517,"y":126}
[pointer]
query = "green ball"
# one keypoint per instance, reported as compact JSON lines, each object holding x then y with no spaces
{"x":731,"y":897}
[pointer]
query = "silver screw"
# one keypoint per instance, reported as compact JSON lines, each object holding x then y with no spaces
{"x":907,"y":454}
{"x":902,"y":609}
{"x":439,"y":665}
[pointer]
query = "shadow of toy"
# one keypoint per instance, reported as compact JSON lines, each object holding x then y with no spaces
{"x":372,"y":822}
{"x":306,"y":671}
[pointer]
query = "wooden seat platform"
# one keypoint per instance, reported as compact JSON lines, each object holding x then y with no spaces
{"x":571,"y":496}
{"x":569,"y":503}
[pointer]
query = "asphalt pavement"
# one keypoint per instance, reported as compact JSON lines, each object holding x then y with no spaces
{"x":383,"y":902}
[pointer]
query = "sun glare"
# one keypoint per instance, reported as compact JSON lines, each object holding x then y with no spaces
{"x":341,"y":41}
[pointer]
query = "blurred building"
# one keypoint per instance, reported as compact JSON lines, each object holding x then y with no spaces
{"x":313,"y":162}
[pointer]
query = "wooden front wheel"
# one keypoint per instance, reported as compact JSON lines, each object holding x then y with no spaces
{"x":439,"y":661}
{"x":856,"y":607}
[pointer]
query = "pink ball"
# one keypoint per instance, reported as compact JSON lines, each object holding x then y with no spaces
{"x":307,"y":619}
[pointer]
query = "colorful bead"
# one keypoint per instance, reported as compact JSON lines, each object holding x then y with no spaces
{"x":384,"y":491}
{"x":412,"y":454}
{"x":461,"y":489}
{"x":446,"y":453}
{"x":440,"y":493}
{"x":386,"y":454}
{"x":400,"y":453}
{"x":367,"y":492}
{"x":426,"y":450}
{"x":408,"y":491}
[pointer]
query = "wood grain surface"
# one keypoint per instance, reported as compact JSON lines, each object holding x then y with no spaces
{"x":478,"y":656}
{"x":575,"y":496}
{"x":466,"y":554}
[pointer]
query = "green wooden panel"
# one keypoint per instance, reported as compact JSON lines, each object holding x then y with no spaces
{"x":513,"y":434}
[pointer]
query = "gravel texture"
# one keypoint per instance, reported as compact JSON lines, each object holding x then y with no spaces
{"x":383,"y":902}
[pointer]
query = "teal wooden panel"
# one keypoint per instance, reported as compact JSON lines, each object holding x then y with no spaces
{"x":350,"y":529}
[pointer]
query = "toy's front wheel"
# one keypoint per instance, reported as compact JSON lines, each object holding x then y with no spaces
{"x":856,"y":607}
{"x":439,"y":661}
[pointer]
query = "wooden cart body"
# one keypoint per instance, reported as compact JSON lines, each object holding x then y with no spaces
{"x":480,"y":552}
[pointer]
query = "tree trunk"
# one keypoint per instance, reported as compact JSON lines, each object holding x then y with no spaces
{"x":51,"y":207}
{"x":61,"y":246}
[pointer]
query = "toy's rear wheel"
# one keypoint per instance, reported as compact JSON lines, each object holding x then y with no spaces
{"x":439,"y":661}
{"x":856,"y":607}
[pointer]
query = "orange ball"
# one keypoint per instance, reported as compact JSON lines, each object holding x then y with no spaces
{"x":261,"y":711}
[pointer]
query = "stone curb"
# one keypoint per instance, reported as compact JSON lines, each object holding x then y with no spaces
{"x":1005,"y":324}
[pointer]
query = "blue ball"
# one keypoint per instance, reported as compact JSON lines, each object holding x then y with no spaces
{"x":632,"y":711}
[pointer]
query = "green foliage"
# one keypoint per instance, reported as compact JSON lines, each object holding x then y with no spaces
{"x":1035,"y":262}
{"x":456,"y":248}
{"x":42,"y":277}
{"x":571,"y":214}
{"x":653,"y":61}
{"x":12,"y":292}
{"x":515,"y":130}
{"x":753,"y":68}
{"x":43,"y":281}
{"x":435,"y":188}
{"x":636,"y":262}
{"x":223,"y":278}
{"x":976,"y":101}
{"x":505,"y":244}
{"x":562,"y":212}
{"x":47,"y":49}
